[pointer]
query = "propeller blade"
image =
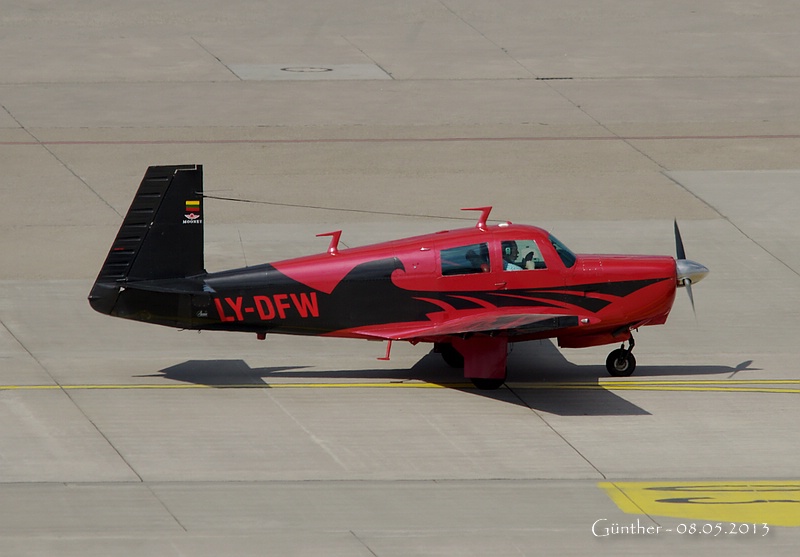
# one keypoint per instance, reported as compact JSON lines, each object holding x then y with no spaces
{"x":679,"y":243}
{"x":688,"y":272}
{"x":688,"y":285}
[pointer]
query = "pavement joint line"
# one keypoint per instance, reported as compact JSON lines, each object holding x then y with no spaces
{"x":46,"y":146}
{"x":729,"y":220}
{"x":611,"y":137}
{"x":58,"y":387}
{"x":485,"y":37}
{"x":363,"y":543}
{"x":552,"y":428}
{"x":627,"y":496}
{"x":215,"y":57}
{"x":361,"y":50}
{"x":626,"y":140}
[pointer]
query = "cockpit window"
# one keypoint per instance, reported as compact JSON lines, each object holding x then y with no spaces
{"x":465,"y":260}
{"x":566,"y":255}
{"x":519,"y":255}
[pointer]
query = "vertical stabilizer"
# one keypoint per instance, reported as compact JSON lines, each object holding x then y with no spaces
{"x":161,"y":236}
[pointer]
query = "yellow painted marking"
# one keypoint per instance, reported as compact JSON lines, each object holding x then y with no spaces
{"x":416,"y":385}
{"x":676,"y":382}
{"x":755,"y":502}
{"x":694,"y":385}
{"x":787,"y":386}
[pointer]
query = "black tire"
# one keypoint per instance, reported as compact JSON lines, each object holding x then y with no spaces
{"x":620,"y":363}
{"x":487,"y":384}
{"x":450,"y":355}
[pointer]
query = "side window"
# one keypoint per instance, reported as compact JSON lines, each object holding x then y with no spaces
{"x":465,"y":260}
{"x":521,"y":255}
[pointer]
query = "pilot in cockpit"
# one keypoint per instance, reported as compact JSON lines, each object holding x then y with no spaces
{"x":510,"y":254}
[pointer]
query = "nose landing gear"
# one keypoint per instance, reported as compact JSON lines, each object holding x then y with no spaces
{"x":621,"y":363}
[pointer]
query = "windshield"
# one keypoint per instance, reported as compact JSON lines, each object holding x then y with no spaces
{"x":566,"y":255}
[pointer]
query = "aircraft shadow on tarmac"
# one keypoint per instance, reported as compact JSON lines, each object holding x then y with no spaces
{"x":536,"y":370}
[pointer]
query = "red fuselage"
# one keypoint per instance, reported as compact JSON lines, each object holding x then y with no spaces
{"x":470,"y":291}
{"x":421,"y":284}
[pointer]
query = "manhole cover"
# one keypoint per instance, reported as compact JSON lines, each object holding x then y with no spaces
{"x":286,"y":72}
{"x":306,"y":69}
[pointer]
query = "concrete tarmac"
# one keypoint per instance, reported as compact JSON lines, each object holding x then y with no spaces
{"x":600,"y":122}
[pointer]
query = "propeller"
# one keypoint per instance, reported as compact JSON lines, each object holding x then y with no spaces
{"x":689,"y":272}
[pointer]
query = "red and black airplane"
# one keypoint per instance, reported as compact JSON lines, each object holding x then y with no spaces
{"x":470,"y":291}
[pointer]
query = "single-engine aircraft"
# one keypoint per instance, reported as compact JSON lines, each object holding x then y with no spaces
{"x":471,"y":292}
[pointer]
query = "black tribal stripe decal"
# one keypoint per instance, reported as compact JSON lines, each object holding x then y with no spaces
{"x":582,"y":296}
{"x":263,"y":298}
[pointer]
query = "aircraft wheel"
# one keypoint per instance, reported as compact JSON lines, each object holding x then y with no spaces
{"x":450,"y":355}
{"x":487,"y":384}
{"x":620,"y":363}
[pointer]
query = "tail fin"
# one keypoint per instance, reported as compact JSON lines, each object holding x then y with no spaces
{"x":161,"y":236}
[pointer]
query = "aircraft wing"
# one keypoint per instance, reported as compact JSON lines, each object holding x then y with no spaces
{"x":510,"y":324}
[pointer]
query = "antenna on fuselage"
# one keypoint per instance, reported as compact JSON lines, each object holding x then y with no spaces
{"x":483,"y":218}
{"x":333,"y":248}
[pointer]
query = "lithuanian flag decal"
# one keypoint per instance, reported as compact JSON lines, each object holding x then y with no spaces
{"x":192,"y":209}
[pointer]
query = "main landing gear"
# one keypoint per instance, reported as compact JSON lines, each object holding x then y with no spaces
{"x":450,"y":355}
{"x":482,"y":358}
{"x":490,"y":384}
{"x":621,"y":363}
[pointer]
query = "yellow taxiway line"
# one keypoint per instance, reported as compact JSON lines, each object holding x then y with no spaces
{"x":694,"y":385}
{"x":791,"y":386}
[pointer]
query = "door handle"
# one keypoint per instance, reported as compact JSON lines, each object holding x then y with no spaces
{"x":500,"y":284}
